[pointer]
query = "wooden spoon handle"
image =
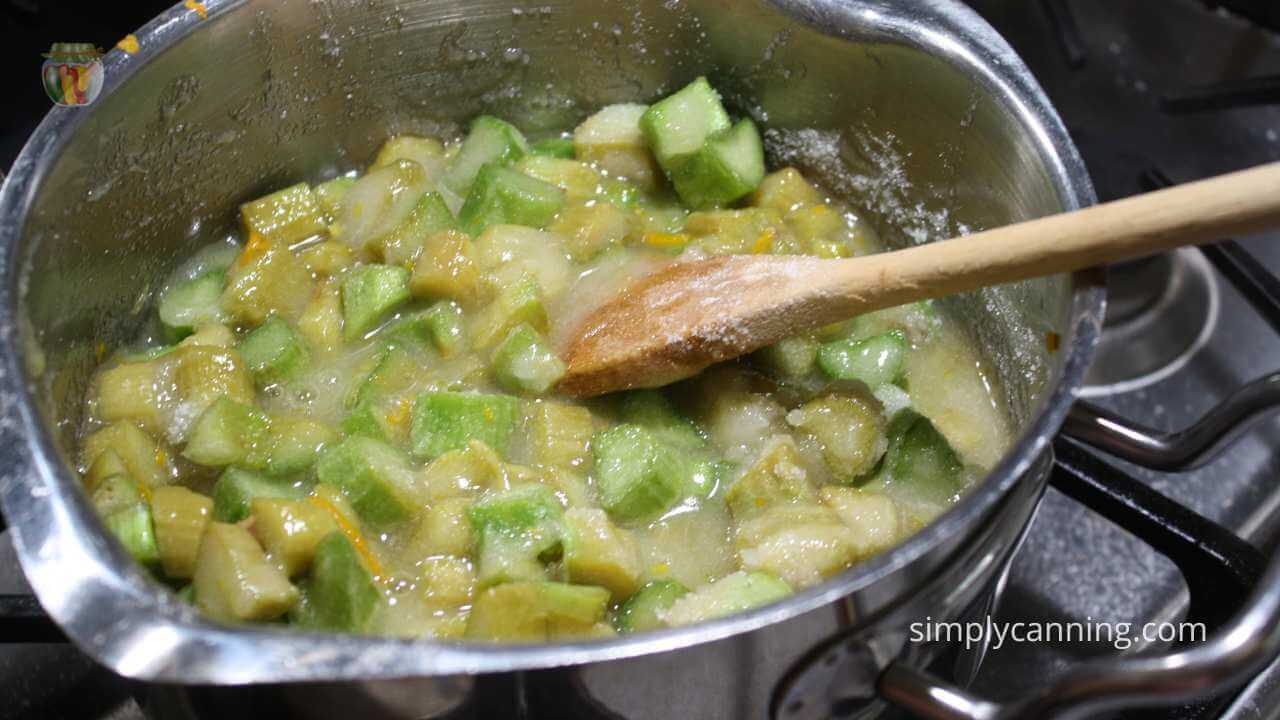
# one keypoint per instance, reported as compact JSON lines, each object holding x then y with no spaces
{"x":1237,"y":203}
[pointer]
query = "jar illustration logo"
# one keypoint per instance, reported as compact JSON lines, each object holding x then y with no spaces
{"x":72,"y":73}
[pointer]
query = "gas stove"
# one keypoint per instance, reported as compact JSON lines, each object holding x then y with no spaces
{"x":1153,"y":94}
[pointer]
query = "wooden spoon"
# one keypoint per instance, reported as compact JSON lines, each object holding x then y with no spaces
{"x":677,"y":321}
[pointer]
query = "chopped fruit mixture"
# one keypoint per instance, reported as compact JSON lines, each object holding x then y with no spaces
{"x":347,"y":418}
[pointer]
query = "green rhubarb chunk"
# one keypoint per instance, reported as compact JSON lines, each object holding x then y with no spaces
{"x":329,"y":193}
{"x":369,"y":293}
{"x":274,"y":352}
{"x":286,"y":216}
{"x":597,"y":552}
{"x":703,"y":477}
{"x":652,"y":410}
{"x":621,"y":193}
{"x":216,"y":257}
{"x":679,"y":125}
{"x":729,"y":595}
{"x":234,"y":580}
{"x":560,"y":435}
{"x":641,"y":611}
{"x":502,"y":196}
{"x":180,"y":517}
{"x":140,"y":455}
{"x":556,"y":147}
{"x":427,"y":152}
{"x":920,"y":467}
{"x":728,"y":167}
{"x":444,"y":421}
{"x":395,"y":371}
{"x":115,"y":493}
{"x":580,"y":181}
{"x":848,"y":429}
{"x":340,"y":593}
{"x":429,"y":216}
{"x":537,"y":611}
{"x":192,"y":303}
{"x":876,"y":361}
{"x":918,"y":320}
{"x":295,"y":444}
{"x":107,"y":463}
{"x":777,"y":477}
{"x":290,"y":530}
{"x":524,"y":510}
{"x":518,"y":303}
{"x":367,"y":419}
{"x":575,"y":610}
{"x":637,"y":476}
{"x":444,"y":323}
{"x":133,"y":527}
{"x":516,"y":532}
{"x":524,"y":362}
{"x":439,"y":326}
{"x":236,"y":488}
{"x":490,"y":141}
{"x":410,"y":327}
{"x":376,"y":478}
{"x":793,"y":357}
{"x":228,"y":433}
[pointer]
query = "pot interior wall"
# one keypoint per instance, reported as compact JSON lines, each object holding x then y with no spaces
{"x":268,"y":93}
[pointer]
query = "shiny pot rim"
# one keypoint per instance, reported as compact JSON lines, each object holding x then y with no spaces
{"x":128,"y":623}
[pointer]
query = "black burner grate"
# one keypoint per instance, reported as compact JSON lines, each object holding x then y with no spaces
{"x":1263,"y":12}
{"x":1224,"y":95}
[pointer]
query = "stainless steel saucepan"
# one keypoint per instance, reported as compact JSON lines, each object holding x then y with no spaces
{"x":916,"y":110}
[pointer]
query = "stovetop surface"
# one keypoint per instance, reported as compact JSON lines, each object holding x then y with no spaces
{"x":1074,"y":565}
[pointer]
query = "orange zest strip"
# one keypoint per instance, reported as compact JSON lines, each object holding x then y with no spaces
{"x":198,"y":7}
{"x":764,"y":243}
{"x":399,"y":415}
{"x":352,"y":533}
{"x":256,"y":247}
{"x":666,"y":240}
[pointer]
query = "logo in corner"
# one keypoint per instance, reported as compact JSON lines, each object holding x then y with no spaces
{"x":72,"y":73}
